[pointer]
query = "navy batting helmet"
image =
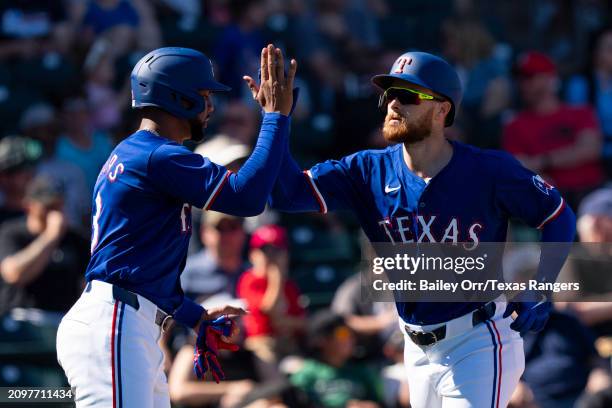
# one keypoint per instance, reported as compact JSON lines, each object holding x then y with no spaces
{"x":428,"y":71}
{"x":170,"y":78}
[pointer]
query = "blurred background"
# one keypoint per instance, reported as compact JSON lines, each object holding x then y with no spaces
{"x":537,"y":77}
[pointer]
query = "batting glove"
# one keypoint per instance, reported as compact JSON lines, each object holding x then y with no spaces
{"x":532,"y":316}
{"x":208,"y":343}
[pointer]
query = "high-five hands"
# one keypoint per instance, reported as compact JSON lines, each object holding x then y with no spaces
{"x":275,"y":92}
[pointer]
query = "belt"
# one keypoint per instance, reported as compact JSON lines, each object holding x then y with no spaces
{"x":421,"y":338}
{"x":162,"y":318}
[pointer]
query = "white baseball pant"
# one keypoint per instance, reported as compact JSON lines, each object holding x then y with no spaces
{"x":473,"y":366}
{"x":109,"y":351}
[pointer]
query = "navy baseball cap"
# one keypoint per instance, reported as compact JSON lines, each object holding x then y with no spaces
{"x":428,"y":71}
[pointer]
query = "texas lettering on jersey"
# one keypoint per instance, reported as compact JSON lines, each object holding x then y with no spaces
{"x":402,"y":230}
{"x":469,"y":201}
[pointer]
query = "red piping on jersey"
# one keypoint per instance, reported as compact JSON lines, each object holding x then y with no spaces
{"x":113,"y":352}
{"x":315,"y":192}
{"x":218,"y":190}
{"x":554,"y":215}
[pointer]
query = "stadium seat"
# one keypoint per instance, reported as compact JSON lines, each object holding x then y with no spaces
{"x":318,"y":282}
{"x":52,"y":74}
{"x":201,"y":37}
{"x":14,"y":99}
{"x":28,"y":336}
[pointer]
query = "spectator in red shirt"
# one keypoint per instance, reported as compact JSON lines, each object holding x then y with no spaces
{"x":275,"y":315}
{"x":561,"y":142}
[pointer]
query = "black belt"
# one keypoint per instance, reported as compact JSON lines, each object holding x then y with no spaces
{"x":428,"y":338}
{"x":131,"y":299}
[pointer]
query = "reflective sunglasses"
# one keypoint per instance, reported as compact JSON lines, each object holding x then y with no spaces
{"x":405,"y":96}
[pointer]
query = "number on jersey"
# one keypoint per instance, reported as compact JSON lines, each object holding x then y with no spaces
{"x":95,"y":236}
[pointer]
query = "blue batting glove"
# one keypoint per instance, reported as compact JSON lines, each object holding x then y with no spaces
{"x":208,"y":343}
{"x":532,"y":316}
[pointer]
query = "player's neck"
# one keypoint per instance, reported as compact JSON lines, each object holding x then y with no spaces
{"x":164,"y":125}
{"x":428,"y":157}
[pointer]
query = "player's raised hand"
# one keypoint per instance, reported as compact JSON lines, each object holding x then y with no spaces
{"x":275,"y":92}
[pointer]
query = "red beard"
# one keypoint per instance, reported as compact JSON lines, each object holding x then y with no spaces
{"x":408,"y":133}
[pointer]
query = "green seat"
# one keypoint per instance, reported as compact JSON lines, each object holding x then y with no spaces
{"x":314,"y":243}
{"x":318,"y":282}
{"x":28,"y":336}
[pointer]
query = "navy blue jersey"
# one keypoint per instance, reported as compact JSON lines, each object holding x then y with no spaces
{"x":470,"y":201}
{"x":142,"y":215}
{"x":142,"y":202}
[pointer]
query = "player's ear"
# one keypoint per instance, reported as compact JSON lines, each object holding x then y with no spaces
{"x":444,"y":109}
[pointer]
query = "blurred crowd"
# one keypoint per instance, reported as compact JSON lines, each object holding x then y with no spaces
{"x":537,"y":76}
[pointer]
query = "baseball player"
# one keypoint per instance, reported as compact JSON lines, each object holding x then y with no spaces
{"x":107,"y":342}
{"x":425,"y":188}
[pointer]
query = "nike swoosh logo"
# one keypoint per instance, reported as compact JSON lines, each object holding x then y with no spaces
{"x":391,"y":189}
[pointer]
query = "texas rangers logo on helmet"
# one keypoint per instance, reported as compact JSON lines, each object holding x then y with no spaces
{"x":401,"y":63}
{"x":541,"y":185}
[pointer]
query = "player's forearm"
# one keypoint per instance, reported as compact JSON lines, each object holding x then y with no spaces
{"x":557,"y":238}
{"x":247,"y":191}
{"x":291,"y":193}
{"x":189,"y":313}
{"x":26,"y":265}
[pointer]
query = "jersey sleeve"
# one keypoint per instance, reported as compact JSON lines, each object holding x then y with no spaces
{"x":522,"y":194}
{"x":338,"y":184}
{"x":186,"y":176}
